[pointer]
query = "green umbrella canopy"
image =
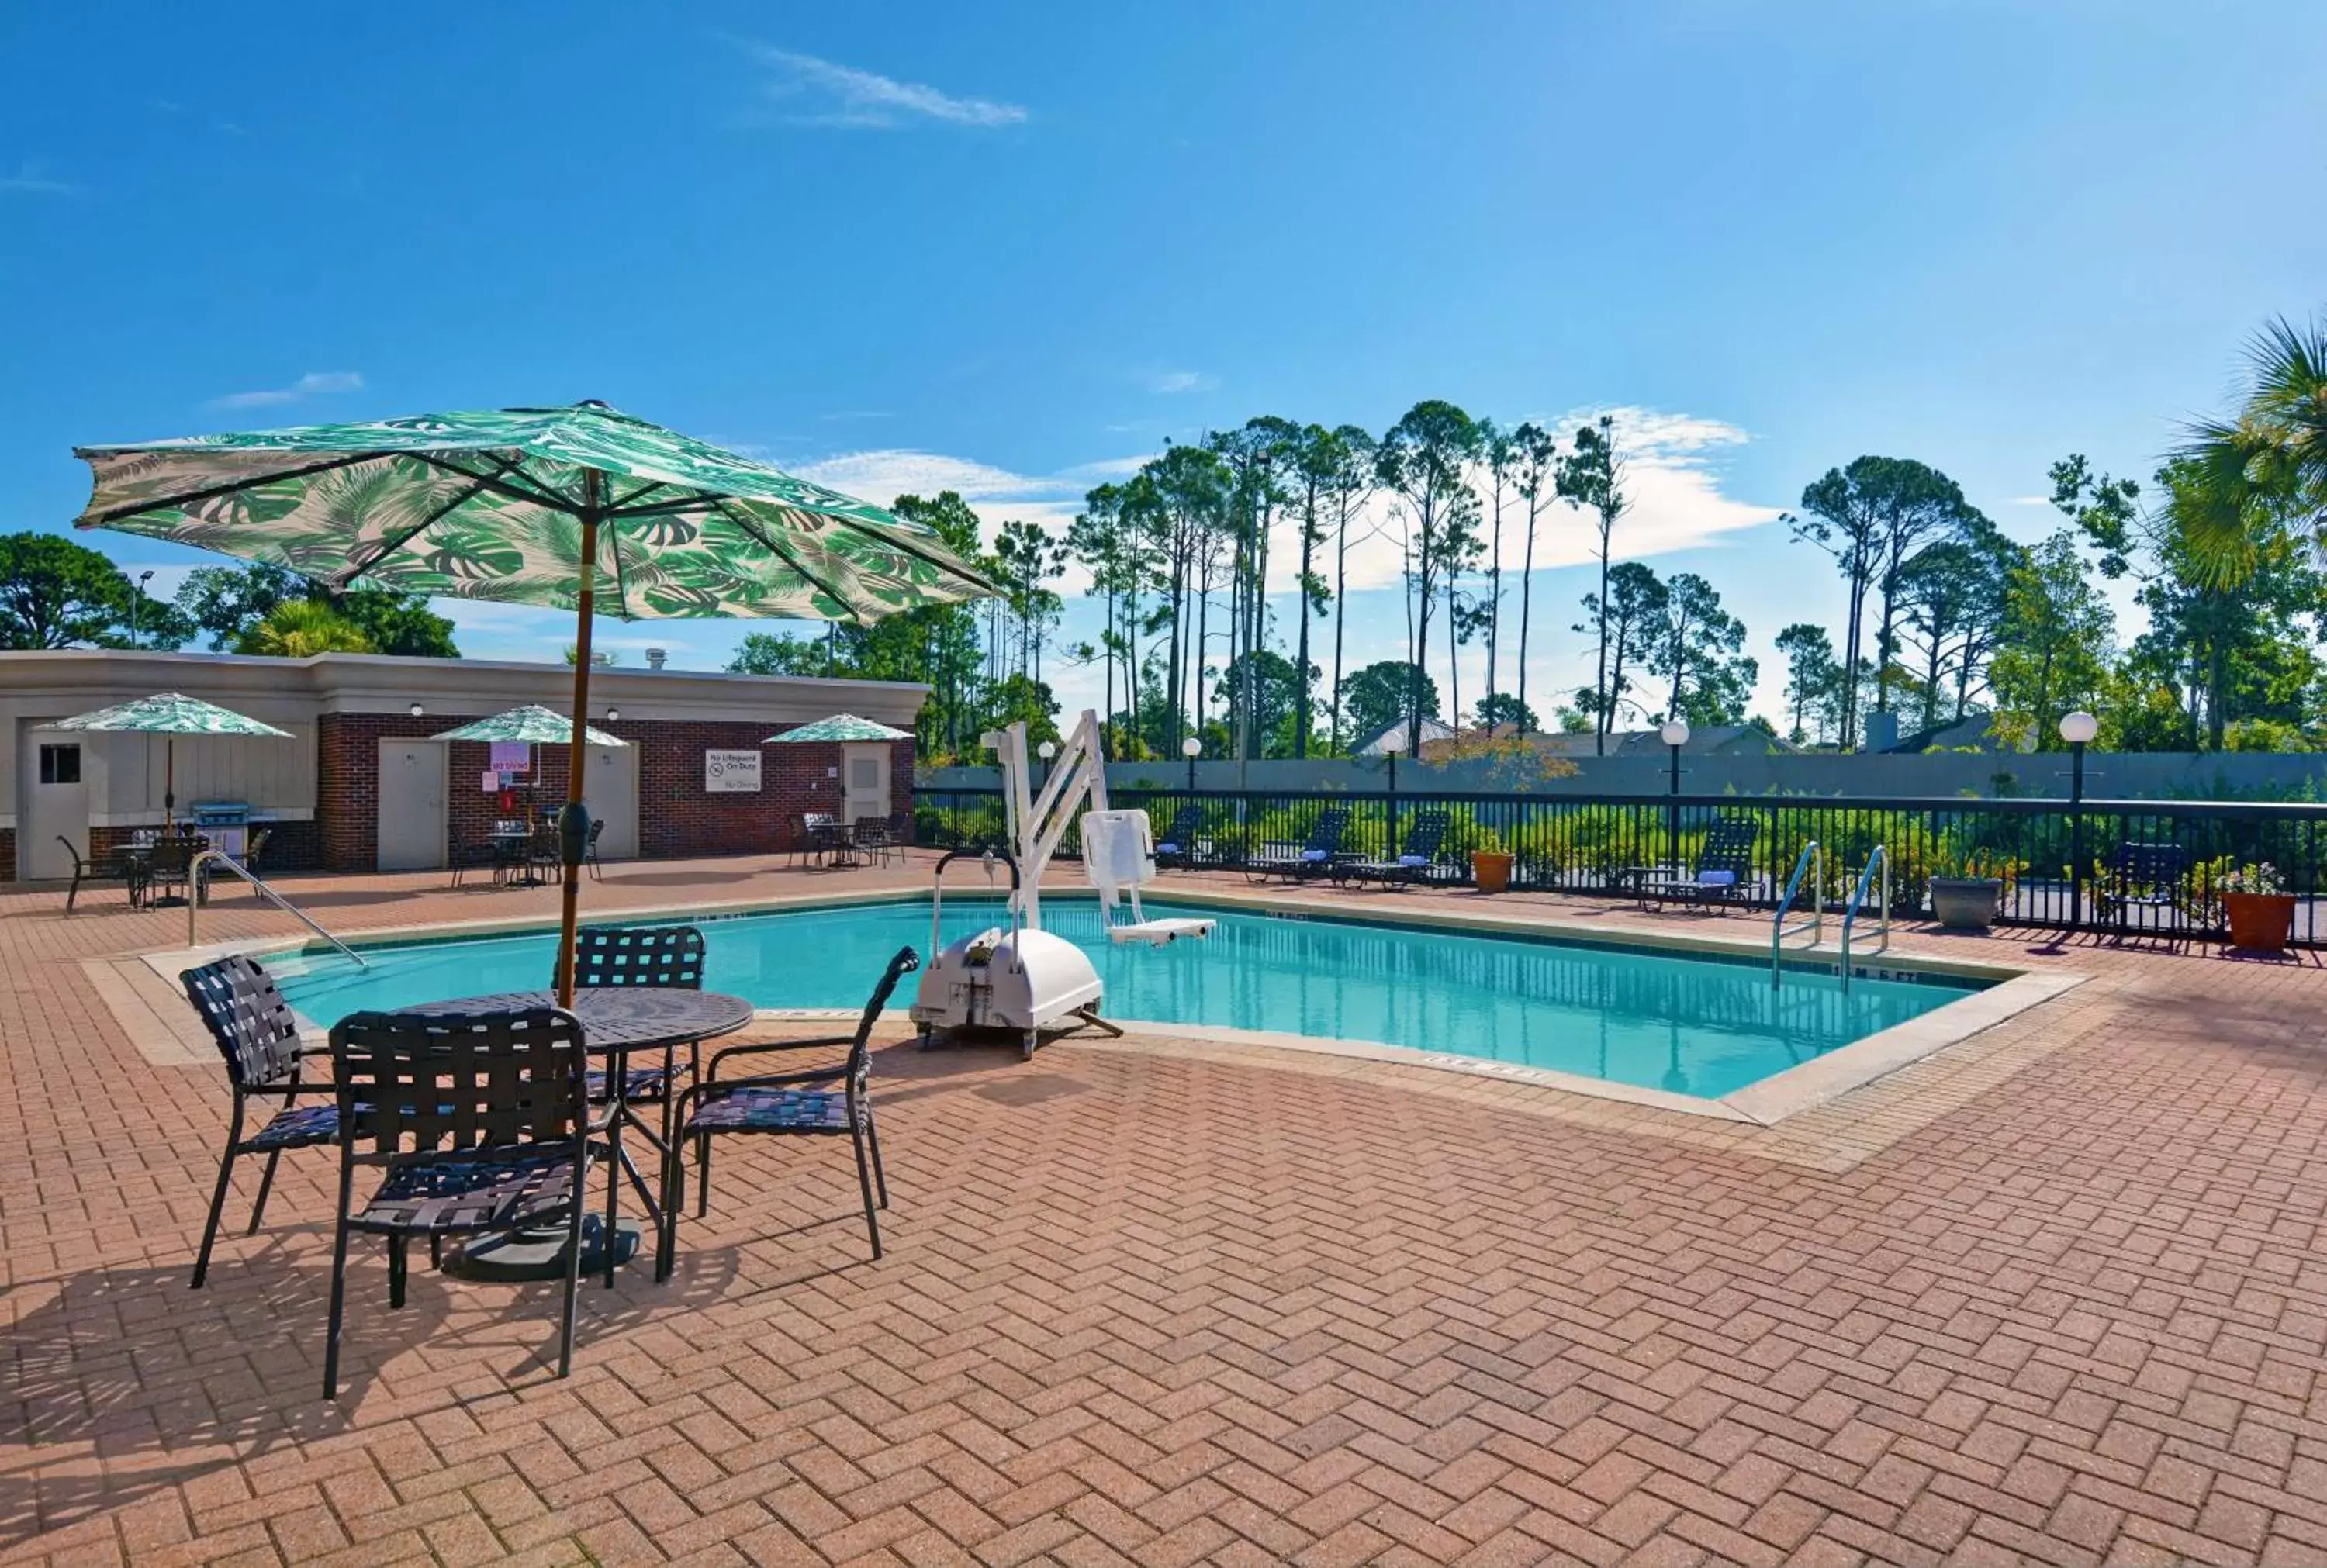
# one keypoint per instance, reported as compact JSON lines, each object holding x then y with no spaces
{"x":168,"y":713}
{"x":532,"y":723}
{"x":840,"y":727}
{"x":490,"y":506}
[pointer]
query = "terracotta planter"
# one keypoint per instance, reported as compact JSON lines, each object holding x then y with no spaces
{"x":2260,"y":921}
{"x":1964,"y":903}
{"x":1491,"y":870}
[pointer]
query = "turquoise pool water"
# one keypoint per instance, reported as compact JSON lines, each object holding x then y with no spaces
{"x":1692,"y":1026}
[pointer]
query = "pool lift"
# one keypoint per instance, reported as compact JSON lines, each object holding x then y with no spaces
{"x":1026,"y":980}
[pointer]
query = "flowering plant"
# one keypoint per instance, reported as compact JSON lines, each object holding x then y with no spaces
{"x":2253,"y":877}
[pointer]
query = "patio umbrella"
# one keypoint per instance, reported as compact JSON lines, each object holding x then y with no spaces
{"x":534,"y":725}
{"x":532,"y":506}
{"x":172,"y":714}
{"x":839,"y":727}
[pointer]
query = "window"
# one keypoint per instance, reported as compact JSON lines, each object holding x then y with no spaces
{"x":61,"y":764}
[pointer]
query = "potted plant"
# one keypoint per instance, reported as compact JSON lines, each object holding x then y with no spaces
{"x":1967,"y":885}
{"x":1490,"y":862}
{"x":2261,"y":910}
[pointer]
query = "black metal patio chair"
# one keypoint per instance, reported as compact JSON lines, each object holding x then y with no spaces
{"x":872,"y":838}
{"x":1724,"y":875}
{"x":1414,"y":863}
{"x":258,"y":1036}
{"x":128,"y":869}
{"x":833,"y":1101}
{"x":608,"y":956}
{"x":1313,"y":859}
{"x":2145,"y":890}
{"x":478,"y":1126}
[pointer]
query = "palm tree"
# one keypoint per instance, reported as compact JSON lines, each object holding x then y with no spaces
{"x":2269,"y":461}
{"x":298,"y":628}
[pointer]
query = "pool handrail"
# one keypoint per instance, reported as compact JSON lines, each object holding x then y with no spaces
{"x":220,"y":857}
{"x":1813,"y":923}
{"x":1882,"y":857}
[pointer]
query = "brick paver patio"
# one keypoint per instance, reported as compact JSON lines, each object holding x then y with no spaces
{"x":2050,"y":1295}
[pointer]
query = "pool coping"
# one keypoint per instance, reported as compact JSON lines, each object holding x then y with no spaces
{"x":2008,"y":991}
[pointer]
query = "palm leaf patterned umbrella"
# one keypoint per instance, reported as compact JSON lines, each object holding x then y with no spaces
{"x":839,"y":727}
{"x":532,"y":723}
{"x":558,"y":506}
{"x":169,"y":713}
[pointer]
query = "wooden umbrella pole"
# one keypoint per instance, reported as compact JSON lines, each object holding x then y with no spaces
{"x":168,"y":780}
{"x":570,"y":842}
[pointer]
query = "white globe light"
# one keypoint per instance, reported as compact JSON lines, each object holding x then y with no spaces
{"x":1675,"y":732}
{"x":1047,"y":749}
{"x":1394,"y":742}
{"x":2079,"y":727}
{"x":1191,"y":748}
{"x":613,"y":715}
{"x":417,"y":710}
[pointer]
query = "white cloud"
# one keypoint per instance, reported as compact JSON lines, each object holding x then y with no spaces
{"x":2032,"y":500}
{"x":1168,"y":382}
{"x":848,"y":99}
{"x":315,"y":383}
{"x":28,"y":181}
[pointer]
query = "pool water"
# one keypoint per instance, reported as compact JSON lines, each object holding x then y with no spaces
{"x":1694,"y":1026}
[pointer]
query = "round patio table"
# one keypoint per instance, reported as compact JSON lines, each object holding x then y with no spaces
{"x":616,"y":1020}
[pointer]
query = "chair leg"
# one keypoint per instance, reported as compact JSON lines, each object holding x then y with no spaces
{"x":218,"y":1198}
{"x":865,"y":1185}
{"x":702,"y":1174}
{"x":339,"y":1293}
{"x":399,"y":1264}
{"x":436,"y":1251}
{"x":618,"y":1064}
{"x":73,"y":891}
{"x":265,"y":1186}
{"x":880,"y":1176}
{"x":674,"y":1193}
{"x":573,"y":1261}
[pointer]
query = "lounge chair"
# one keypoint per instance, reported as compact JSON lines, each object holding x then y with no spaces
{"x":1723,"y":873}
{"x":1314,"y":858}
{"x":1414,"y":863}
{"x":1177,"y":842}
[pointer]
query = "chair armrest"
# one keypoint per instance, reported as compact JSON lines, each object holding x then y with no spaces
{"x":711,"y":1069}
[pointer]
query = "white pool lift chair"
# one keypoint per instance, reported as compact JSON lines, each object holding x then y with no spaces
{"x":1119,"y":856}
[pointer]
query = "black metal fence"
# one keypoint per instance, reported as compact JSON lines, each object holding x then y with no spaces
{"x":2101,"y":864}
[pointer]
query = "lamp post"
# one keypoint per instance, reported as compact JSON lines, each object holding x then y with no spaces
{"x":2078,"y":729}
{"x":137,"y":610}
{"x":1046,"y":751}
{"x":1392,"y":744}
{"x":1192,"y":748}
{"x":1674,"y":732}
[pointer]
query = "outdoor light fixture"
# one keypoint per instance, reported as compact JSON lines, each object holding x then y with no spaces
{"x":1192,"y":748}
{"x":1675,"y":732}
{"x":1392,"y":744}
{"x":2078,"y":728}
{"x":1047,"y":749}
{"x":613,"y":715}
{"x":416,"y":710}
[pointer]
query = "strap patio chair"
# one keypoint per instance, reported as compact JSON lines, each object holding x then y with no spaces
{"x":128,"y":869}
{"x":258,"y":1036}
{"x":1313,"y":859}
{"x":590,"y":849}
{"x":477,"y":1124}
{"x":608,"y":956}
{"x":1415,"y":859}
{"x":2145,"y":890}
{"x":872,"y":837}
{"x":824,"y":1102}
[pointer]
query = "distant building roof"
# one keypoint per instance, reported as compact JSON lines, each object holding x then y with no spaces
{"x":1704,"y":741}
{"x":1972,"y":730}
{"x":1431,"y":730}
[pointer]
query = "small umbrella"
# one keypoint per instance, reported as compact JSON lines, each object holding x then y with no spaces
{"x":535,"y":725}
{"x":839,"y":727}
{"x":170,"y":713}
{"x":532,"y":506}
{"x":531,"y":723}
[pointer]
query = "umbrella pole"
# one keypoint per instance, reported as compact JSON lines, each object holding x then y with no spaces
{"x":571,"y":840}
{"x":169,"y":781}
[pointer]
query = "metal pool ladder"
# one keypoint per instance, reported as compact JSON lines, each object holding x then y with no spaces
{"x":1882,"y":857}
{"x":1812,"y":855}
{"x":218,"y":857}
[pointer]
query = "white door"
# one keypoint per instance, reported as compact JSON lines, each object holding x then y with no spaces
{"x":865,"y":782}
{"x":411,"y":805}
{"x":51,"y":798}
{"x":611,"y":791}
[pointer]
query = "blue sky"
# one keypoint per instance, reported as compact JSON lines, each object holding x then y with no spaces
{"x":1013,"y":249}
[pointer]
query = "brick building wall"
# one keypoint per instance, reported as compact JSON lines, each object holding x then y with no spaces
{"x":677,"y":818}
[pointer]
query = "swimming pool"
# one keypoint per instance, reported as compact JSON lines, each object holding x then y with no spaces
{"x":1701,"y":1026}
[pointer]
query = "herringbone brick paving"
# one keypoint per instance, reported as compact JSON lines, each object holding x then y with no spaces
{"x":2050,"y":1296}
